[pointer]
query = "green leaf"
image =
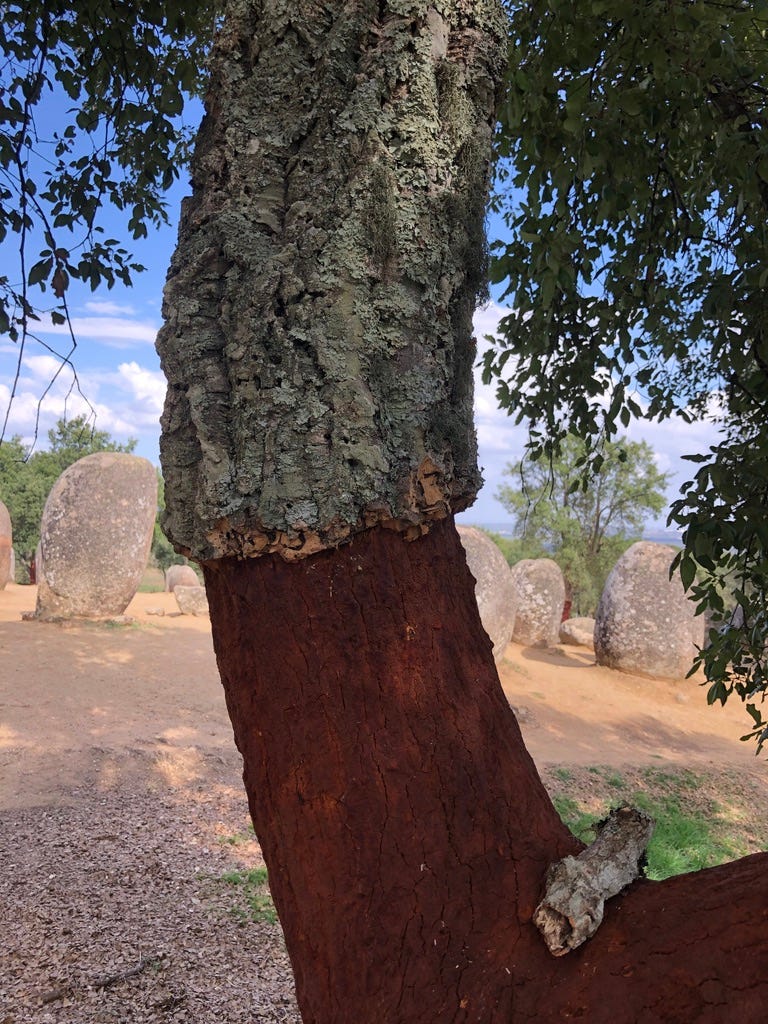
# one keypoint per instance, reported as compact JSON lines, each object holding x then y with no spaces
{"x":40,"y":271}
{"x":687,"y":572}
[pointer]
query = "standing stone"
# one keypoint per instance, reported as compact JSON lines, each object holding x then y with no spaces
{"x":95,"y":536}
{"x":644,"y":622}
{"x":180,"y":576}
{"x":541,"y":596}
{"x":6,"y":546}
{"x":579,"y":631}
{"x":494,"y":590}
{"x":36,"y":568}
{"x":191,"y":600}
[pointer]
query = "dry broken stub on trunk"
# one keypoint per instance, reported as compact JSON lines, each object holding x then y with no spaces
{"x":577,"y":887}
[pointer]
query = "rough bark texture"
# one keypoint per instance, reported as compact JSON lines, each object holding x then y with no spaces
{"x":403,"y":823}
{"x":406,"y":831}
{"x":318,"y":307}
{"x":577,"y":887}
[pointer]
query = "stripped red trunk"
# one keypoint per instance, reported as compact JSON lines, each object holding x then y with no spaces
{"x":405,"y":828}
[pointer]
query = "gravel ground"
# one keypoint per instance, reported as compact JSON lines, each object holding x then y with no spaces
{"x":113,"y":909}
{"x":116,"y":908}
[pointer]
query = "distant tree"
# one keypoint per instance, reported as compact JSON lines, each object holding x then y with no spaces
{"x":26,"y":479}
{"x":583,"y":528}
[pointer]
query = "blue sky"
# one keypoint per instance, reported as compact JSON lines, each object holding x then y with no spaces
{"x":119,"y":375}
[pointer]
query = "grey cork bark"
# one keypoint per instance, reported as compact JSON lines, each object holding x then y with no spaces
{"x":318,"y":309}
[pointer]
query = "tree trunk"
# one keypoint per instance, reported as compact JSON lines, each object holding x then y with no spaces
{"x":405,"y":828}
{"x":317,"y":438}
{"x":318,"y":337}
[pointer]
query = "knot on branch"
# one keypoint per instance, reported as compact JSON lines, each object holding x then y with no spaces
{"x":577,"y":887}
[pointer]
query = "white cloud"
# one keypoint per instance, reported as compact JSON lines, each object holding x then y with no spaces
{"x":33,"y":411}
{"x":146,"y":386}
{"x":126,"y":402}
{"x":128,"y":399}
{"x":486,"y":320}
{"x":103,"y":307}
{"x":43,"y":368}
{"x":112,"y":331}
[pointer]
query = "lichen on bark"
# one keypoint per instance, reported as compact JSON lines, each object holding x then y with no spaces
{"x":318,"y":339}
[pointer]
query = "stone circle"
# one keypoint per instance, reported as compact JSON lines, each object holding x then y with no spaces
{"x":579,"y":631}
{"x":6,"y":546}
{"x":541,"y":596}
{"x":191,"y":600}
{"x":180,"y":576}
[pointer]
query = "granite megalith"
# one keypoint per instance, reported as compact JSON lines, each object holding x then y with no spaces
{"x":494,"y":590}
{"x":180,"y":576}
{"x":191,"y":600}
{"x":540,"y":598}
{"x":579,"y":631}
{"x":644,"y":622}
{"x":95,"y":536}
{"x":6,"y":546}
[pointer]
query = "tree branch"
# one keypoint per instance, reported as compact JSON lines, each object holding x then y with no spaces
{"x":577,"y":887}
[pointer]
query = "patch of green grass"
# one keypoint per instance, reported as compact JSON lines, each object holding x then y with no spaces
{"x":677,"y":780}
{"x":520,"y":670}
{"x":564,"y":774}
{"x":120,"y":623}
{"x":254,"y":902}
{"x":683,"y":839}
{"x":579,"y":821}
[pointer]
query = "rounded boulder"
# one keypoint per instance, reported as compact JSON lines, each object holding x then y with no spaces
{"x":541,"y":596}
{"x":6,"y":546}
{"x":95,"y":536}
{"x":644,"y":622}
{"x":494,"y":590}
{"x":579,"y":631}
{"x":180,"y":576}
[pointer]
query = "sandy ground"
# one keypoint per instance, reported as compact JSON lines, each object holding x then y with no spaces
{"x":91,"y":703}
{"x":120,"y":802}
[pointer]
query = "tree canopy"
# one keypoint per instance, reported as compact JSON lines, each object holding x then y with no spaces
{"x":633,"y":180}
{"x":584,"y":529}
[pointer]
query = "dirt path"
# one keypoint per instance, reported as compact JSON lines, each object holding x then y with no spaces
{"x":123,"y":820}
{"x":92,"y":703}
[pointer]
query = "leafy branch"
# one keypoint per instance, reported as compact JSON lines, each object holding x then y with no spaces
{"x":126,"y":71}
{"x":635,"y":267}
